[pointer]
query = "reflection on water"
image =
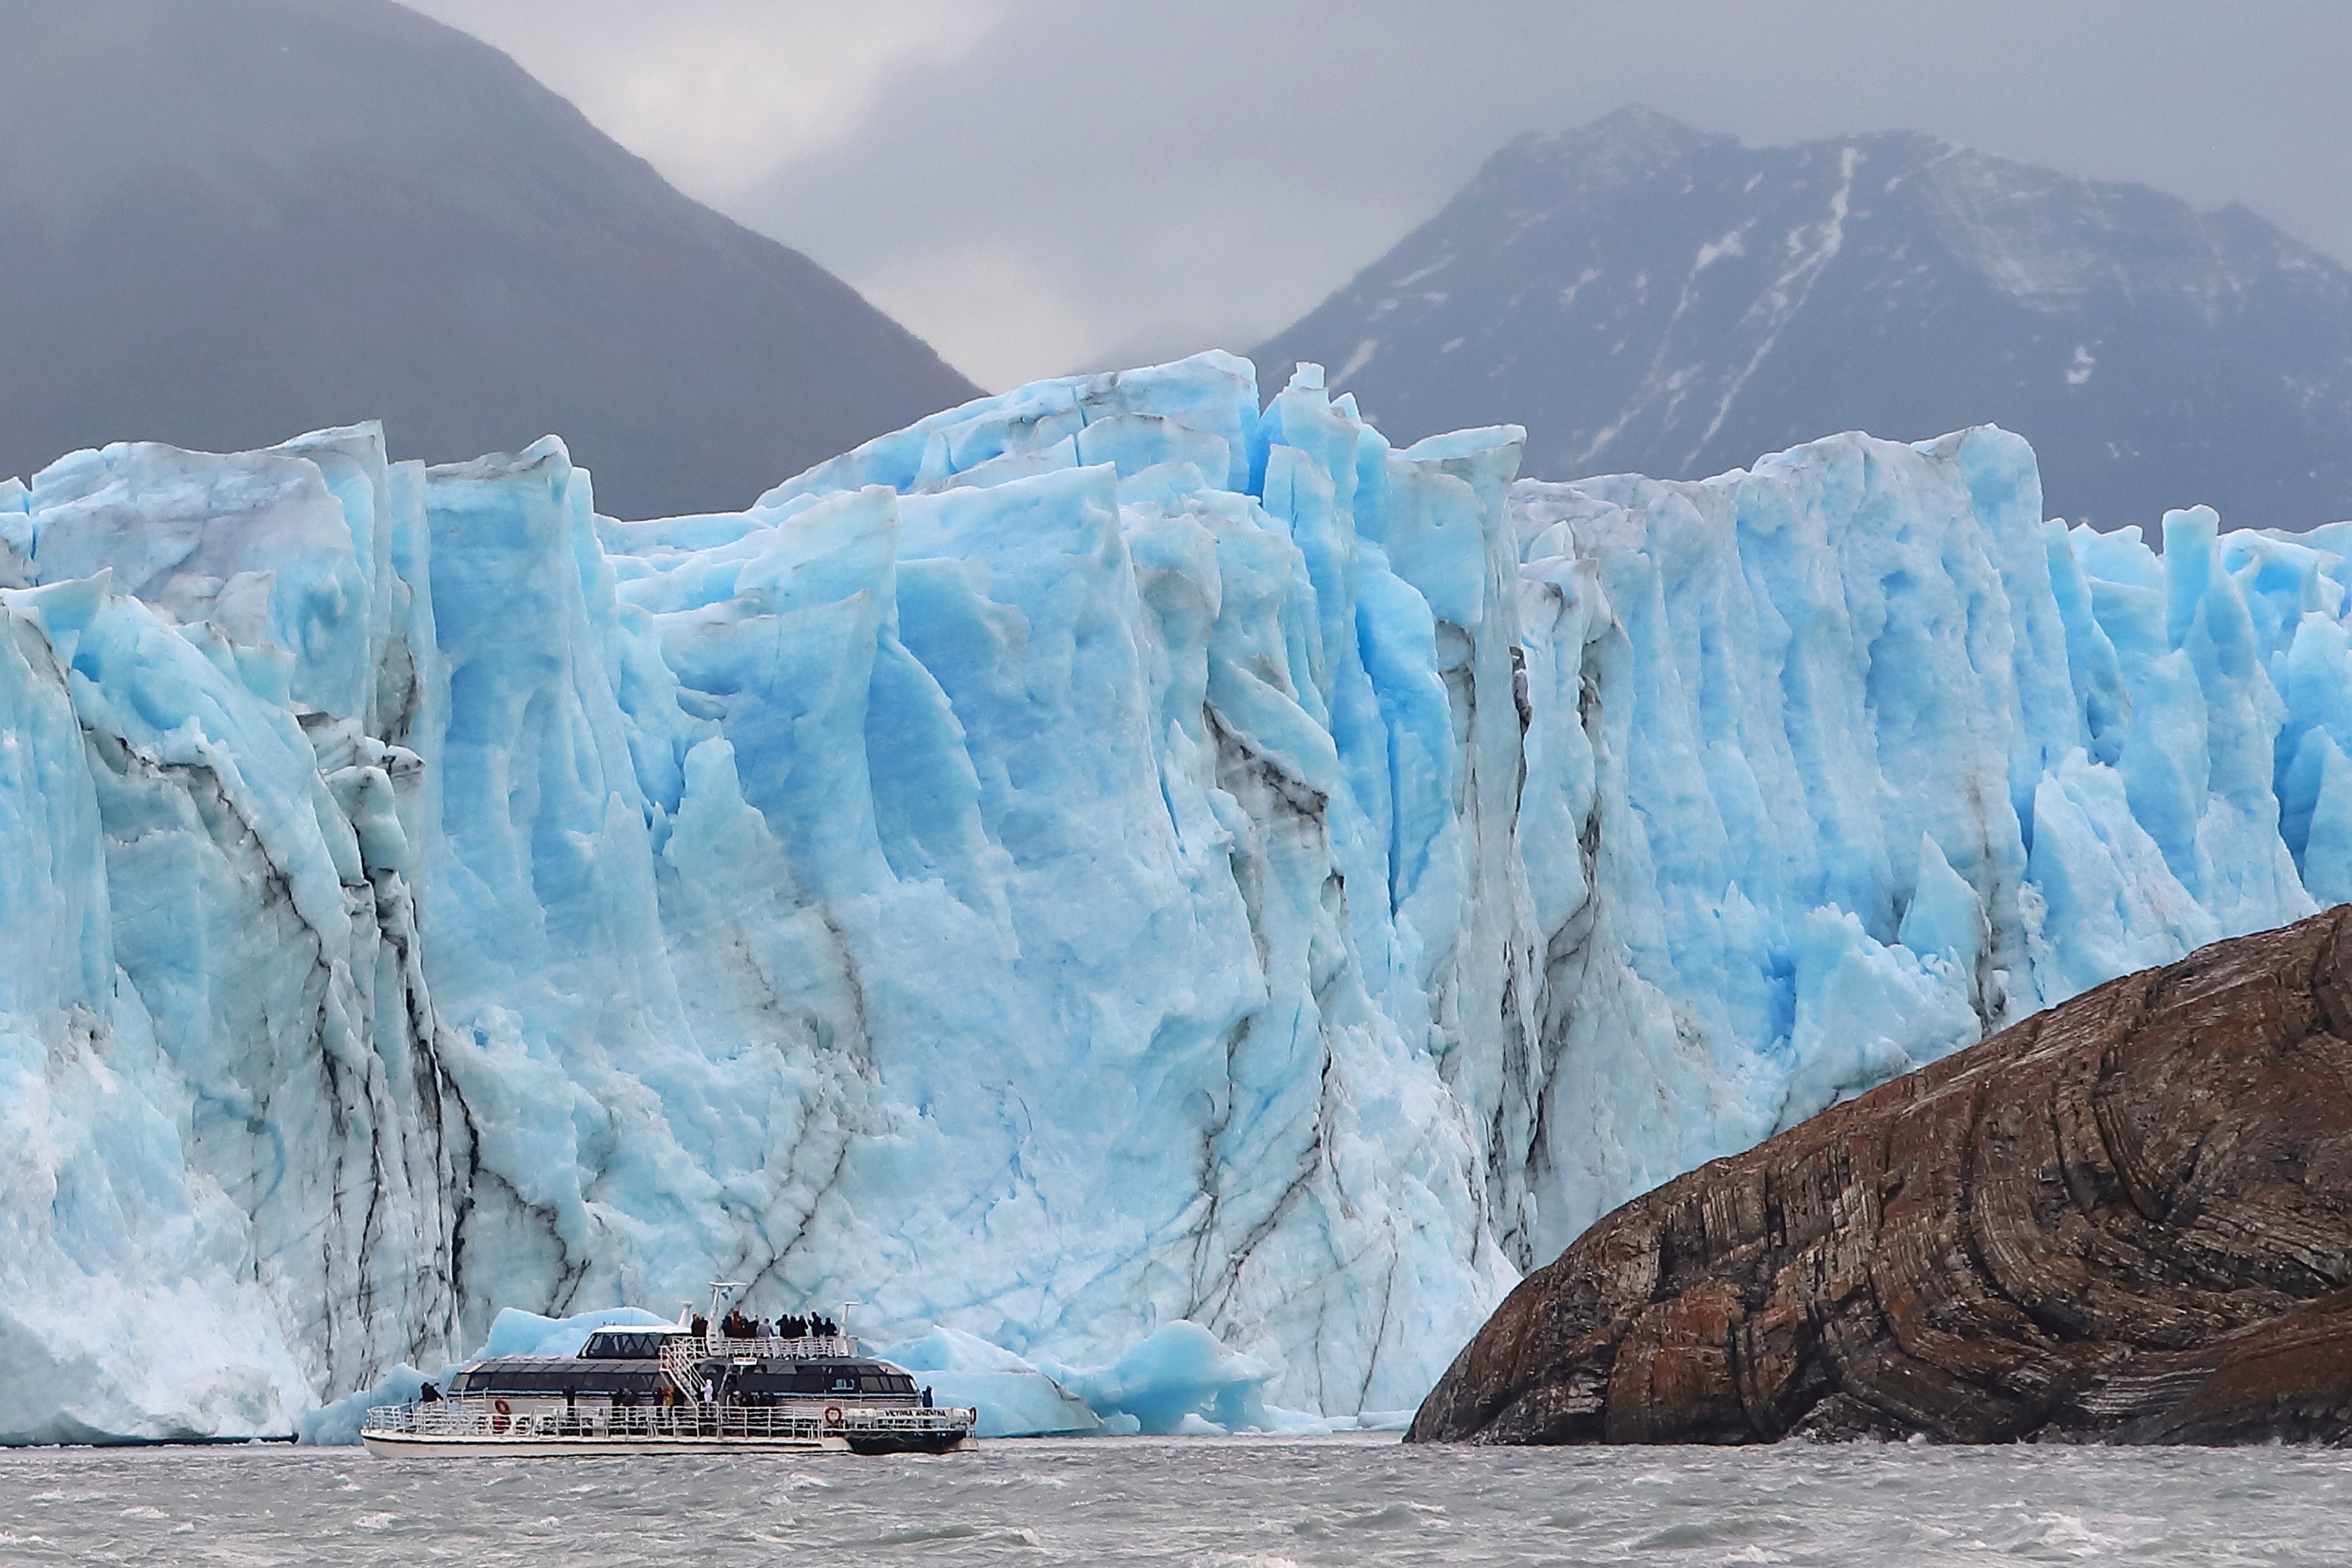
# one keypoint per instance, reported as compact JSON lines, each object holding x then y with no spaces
{"x":1198,"y":1501}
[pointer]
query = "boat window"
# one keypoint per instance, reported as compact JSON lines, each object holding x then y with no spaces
{"x":606,"y":1345}
{"x":543,"y":1380}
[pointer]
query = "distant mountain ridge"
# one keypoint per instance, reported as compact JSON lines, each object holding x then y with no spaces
{"x":223,"y":222}
{"x":1648,"y":297}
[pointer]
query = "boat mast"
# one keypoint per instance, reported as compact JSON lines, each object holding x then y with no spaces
{"x":720,"y":1295}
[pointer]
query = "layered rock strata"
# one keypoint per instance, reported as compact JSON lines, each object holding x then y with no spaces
{"x":2127,"y":1219}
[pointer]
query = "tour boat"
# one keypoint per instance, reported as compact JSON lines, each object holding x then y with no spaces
{"x":669,"y":1389}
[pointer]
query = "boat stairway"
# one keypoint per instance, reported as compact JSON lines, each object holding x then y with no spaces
{"x":685,"y":1357}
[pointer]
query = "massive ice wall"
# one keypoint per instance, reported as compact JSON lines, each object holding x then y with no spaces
{"x":1863,"y":756}
{"x":225,"y":1178}
{"x":1109,"y":854}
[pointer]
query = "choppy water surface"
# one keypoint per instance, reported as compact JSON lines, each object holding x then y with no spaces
{"x":1190,"y":1501}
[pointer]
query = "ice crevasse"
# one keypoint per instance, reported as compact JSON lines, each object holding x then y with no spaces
{"x":1107,"y":856}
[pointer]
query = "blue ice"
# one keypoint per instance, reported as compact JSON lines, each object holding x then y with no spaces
{"x":1125,"y":864}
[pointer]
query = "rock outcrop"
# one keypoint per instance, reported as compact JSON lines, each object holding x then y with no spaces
{"x":2126,"y":1219}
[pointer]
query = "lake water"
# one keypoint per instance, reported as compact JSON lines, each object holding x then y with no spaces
{"x":1196,"y":1500}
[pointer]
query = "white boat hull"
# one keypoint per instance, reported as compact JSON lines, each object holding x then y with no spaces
{"x":450,"y":1445}
{"x":546,"y":1413}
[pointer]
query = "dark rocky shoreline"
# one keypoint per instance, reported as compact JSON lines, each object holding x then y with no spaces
{"x":2127,"y":1219}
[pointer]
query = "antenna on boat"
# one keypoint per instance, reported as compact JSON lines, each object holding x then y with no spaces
{"x":718,"y":1297}
{"x":845,"y":1317}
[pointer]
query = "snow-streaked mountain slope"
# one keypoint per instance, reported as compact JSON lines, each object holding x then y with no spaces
{"x":1644,"y":297}
{"x":1105,"y":855}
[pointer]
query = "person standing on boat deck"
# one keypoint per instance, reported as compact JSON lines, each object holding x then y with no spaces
{"x":701,"y":1326}
{"x":927,"y":1396}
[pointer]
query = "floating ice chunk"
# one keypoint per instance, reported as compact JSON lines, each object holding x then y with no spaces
{"x":1013,"y":1398}
{"x":1182,"y":1379}
{"x":336,"y":1423}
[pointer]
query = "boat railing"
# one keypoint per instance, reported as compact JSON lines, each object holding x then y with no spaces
{"x":807,"y":1347}
{"x":485,"y":1415}
{"x":683,"y":1357}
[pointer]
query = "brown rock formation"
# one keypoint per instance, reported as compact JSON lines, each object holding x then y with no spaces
{"x":2126,"y":1219}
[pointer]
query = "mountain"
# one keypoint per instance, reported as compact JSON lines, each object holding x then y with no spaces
{"x":1646,"y":298}
{"x":222,"y":220}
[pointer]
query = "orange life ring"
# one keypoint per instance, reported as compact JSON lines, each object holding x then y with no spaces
{"x":833,"y":1415}
{"x":499,"y":1422}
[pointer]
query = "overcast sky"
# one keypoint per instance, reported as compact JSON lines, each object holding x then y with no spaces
{"x":1043,"y":186}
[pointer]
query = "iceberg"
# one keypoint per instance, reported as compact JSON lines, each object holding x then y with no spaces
{"x":1179,"y":1380}
{"x":1014,"y":1398}
{"x":1159,"y":896}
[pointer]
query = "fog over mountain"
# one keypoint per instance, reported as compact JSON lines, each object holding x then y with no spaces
{"x":1647,"y":298}
{"x":225,"y":221}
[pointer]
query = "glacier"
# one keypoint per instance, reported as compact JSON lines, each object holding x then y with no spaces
{"x":1121,"y":874}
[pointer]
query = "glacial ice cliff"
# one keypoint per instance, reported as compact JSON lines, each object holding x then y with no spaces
{"x":1107,"y":855}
